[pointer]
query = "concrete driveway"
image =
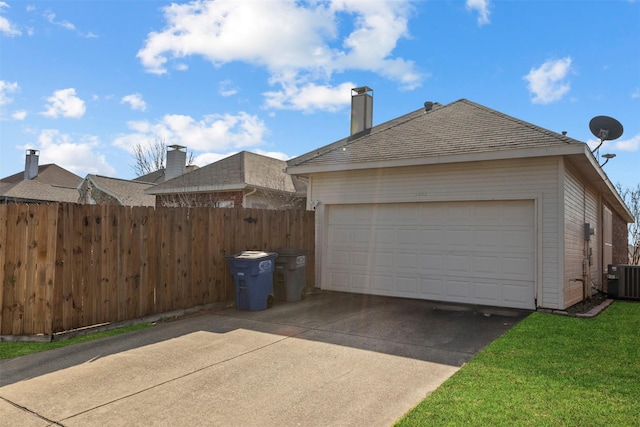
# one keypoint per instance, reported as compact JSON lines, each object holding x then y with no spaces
{"x":331,"y":359}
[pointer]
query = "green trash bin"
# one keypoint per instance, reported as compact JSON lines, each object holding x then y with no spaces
{"x":289,"y":275}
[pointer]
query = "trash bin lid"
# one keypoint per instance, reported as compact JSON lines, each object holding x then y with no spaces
{"x":250,"y":255}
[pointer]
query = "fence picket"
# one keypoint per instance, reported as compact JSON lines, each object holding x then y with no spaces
{"x":3,"y":258}
{"x":65,"y":266}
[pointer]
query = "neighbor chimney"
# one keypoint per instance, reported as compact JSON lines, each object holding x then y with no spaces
{"x":361,"y":109}
{"x":31,"y":164}
{"x":176,"y":162}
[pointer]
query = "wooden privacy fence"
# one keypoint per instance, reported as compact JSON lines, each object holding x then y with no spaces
{"x":67,"y":266}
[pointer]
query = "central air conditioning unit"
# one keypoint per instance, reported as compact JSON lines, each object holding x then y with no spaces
{"x":623,"y":281}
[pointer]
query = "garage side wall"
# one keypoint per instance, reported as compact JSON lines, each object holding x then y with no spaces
{"x":521,"y":179}
{"x":581,"y":207}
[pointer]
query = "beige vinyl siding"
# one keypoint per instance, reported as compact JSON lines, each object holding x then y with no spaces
{"x":580,"y":207}
{"x":573,"y":238}
{"x":521,"y":179}
{"x":592,"y":216}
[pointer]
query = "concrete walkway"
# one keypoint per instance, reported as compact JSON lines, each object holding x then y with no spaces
{"x":331,"y":359}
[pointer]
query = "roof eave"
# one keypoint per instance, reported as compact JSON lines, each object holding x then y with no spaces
{"x":597,"y":177}
{"x":444,"y":159}
{"x":196,"y":189}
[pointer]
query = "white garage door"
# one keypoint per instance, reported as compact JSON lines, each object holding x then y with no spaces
{"x":470,"y":252}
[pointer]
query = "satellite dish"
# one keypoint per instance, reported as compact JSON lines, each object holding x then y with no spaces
{"x":607,"y":156}
{"x":605,"y":128}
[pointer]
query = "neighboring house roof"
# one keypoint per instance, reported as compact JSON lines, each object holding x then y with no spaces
{"x":157,"y":177}
{"x":240,"y":171}
{"x":154,"y":177}
{"x":461,"y":131}
{"x":53,"y":184}
{"x":128,"y":193}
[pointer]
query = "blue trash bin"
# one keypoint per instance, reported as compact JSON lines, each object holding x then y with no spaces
{"x":253,"y":278}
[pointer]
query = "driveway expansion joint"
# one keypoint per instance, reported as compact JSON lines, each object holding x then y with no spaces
{"x":25,"y":409}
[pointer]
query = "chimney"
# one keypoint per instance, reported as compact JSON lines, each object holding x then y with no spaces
{"x":361,"y":109}
{"x":31,"y":164}
{"x":176,"y":162}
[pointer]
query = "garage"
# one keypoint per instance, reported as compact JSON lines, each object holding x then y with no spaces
{"x":477,"y":252}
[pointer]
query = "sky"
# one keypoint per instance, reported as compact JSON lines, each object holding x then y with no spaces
{"x":84,"y":82}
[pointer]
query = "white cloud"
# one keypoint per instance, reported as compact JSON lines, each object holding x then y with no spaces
{"x":215,"y":132}
{"x":64,"y":102}
{"x":631,"y":144}
{"x":19,"y":115}
{"x":482,"y":7}
{"x":636,"y":93}
{"x":205,"y":159}
{"x":7,"y":27}
{"x":135,"y":101}
{"x":51,"y":17}
{"x":5,"y":89}
{"x":308,"y":49}
{"x":227,"y":88}
{"x":547,"y":83}
{"x":274,"y":154}
{"x":310,"y":97}
{"x":208,"y":158}
{"x":79,"y":155}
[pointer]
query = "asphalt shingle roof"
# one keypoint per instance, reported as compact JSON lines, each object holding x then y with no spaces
{"x":53,"y":184}
{"x":456,"y":128}
{"x":129,"y":193}
{"x":241,"y":170}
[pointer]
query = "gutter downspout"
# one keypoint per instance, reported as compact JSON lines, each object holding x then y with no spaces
{"x":245,"y":195}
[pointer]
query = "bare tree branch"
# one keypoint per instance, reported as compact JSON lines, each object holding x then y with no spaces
{"x":149,"y":158}
{"x":152,"y":156}
{"x":631,"y":197}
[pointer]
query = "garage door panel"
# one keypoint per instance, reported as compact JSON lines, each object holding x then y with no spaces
{"x":517,"y":267}
{"x":515,"y":239}
{"x":339,"y":258}
{"x":431,"y":287}
{"x":359,"y":282}
{"x":358,"y":259}
{"x":432,"y":263}
{"x":383,"y":284}
{"x":456,"y":288}
{"x":457,"y":262}
{"x":384,"y":236}
{"x":517,"y":293}
{"x":407,"y":285}
{"x":488,"y":264}
{"x":407,"y":261}
{"x":361,"y":236}
{"x":340,"y":234}
{"x":431,"y":237}
{"x":407,"y":237}
{"x":474,"y":252}
{"x":486,"y":291}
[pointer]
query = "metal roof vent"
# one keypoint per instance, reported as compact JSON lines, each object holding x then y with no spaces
{"x":428,"y":106}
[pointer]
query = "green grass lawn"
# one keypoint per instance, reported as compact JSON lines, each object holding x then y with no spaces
{"x":15,"y":349}
{"x":548,"y":370}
